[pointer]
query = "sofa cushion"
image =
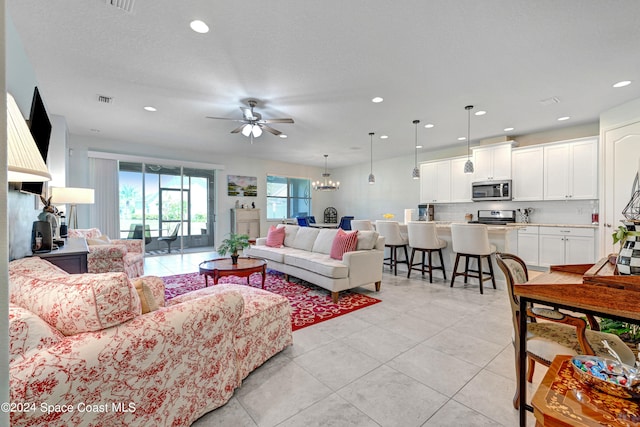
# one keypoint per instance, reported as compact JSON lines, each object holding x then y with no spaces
{"x":36,"y":267}
{"x":77,"y":303}
{"x":28,"y":332}
{"x":324,"y":241}
{"x":343,"y":242}
{"x":102,"y":240}
{"x":305,"y":237}
{"x":275,"y":237}
{"x":147,"y":300}
{"x":367,"y":240}
{"x":89,"y":233}
{"x":290,"y":232}
{"x":318,"y":263}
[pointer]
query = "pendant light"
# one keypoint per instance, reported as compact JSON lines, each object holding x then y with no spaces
{"x":415,"y":174}
{"x":468,"y":166}
{"x":372,"y":178}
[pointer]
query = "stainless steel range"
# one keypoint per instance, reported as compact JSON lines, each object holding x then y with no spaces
{"x":497,"y":217}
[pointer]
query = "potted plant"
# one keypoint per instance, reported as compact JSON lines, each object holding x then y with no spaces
{"x":627,"y":232}
{"x":232,"y":245}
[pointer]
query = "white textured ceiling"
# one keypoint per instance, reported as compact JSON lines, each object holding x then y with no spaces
{"x":321,"y":62}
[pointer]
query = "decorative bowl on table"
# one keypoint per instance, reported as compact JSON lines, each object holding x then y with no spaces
{"x":608,"y":376}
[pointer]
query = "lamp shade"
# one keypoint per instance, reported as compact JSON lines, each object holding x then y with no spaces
{"x":24,"y":162}
{"x":73,"y":196}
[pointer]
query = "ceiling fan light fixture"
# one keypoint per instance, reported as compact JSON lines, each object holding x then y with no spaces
{"x":246,"y":130}
{"x":257,"y":131}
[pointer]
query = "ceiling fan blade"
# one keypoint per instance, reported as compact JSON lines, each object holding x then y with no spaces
{"x":224,"y":118}
{"x":271,"y":130}
{"x":276,"y":121}
{"x":238,"y":129}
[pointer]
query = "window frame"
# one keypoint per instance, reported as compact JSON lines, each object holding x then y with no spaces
{"x":291,"y":200}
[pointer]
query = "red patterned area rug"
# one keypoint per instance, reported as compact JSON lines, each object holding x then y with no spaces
{"x":310,"y":304}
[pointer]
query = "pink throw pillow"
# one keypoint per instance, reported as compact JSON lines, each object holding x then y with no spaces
{"x":343,"y":242}
{"x":275,"y":237}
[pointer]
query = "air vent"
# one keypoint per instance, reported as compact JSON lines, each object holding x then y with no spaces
{"x":105,"y":99}
{"x":126,"y":5}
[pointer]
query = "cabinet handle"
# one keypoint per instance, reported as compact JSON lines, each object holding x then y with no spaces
{"x":608,"y":225}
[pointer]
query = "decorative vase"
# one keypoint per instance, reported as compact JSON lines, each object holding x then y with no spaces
{"x":628,"y":261}
{"x":234,"y":259}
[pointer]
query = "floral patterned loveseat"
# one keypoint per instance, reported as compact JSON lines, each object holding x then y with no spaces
{"x":82,"y":353}
{"x":111,"y":255}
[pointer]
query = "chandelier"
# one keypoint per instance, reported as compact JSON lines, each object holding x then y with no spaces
{"x":326,"y":184}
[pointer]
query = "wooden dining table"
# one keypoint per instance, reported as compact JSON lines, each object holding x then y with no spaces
{"x":586,"y":288}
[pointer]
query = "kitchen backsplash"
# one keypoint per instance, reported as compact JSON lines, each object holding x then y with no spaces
{"x":549,"y":212}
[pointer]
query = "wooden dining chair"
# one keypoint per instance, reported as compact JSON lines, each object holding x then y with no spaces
{"x":559,"y":333}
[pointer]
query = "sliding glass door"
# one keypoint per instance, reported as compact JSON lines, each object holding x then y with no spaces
{"x":171,"y":206}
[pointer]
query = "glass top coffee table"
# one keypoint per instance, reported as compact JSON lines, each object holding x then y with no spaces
{"x":220,"y":267}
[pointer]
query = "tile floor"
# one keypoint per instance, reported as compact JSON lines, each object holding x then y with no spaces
{"x":427,"y":355}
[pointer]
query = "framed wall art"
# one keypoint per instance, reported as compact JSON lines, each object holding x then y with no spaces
{"x":242,"y":186}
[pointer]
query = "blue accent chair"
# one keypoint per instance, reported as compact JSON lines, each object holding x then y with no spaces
{"x":345,"y":223}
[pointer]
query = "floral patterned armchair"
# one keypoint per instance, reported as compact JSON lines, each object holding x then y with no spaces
{"x":84,"y":352}
{"x":107,"y":255}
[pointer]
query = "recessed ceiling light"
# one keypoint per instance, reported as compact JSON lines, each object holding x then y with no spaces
{"x":508,"y":129}
{"x":150,"y":108}
{"x":429,"y":125}
{"x":283,"y":136}
{"x":199,"y":26}
{"x":462,"y":138}
{"x":481,"y":113}
{"x":562,"y":119}
{"x":418,"y":146}
{"x":384,"y":136}
{"x":94,"y":130}
{"x":622,"y":83}
{"x":377,"y":99}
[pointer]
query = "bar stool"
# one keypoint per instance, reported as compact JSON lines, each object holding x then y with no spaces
{"x":393,"y":239}
{"x":472,"y":241}
{"x":362,"y":224}
{"x":423,"y":238}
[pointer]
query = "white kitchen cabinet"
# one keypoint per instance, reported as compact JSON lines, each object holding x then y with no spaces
{"x":460,"y":181}
{"x":566,"y":245}
{"x":527,"y":172}
{"x":571,"y":170}
{"x":246,"y":221}
{"x":435,"y":182}
{"x":528,"y":245}
{"x":492,"y":162}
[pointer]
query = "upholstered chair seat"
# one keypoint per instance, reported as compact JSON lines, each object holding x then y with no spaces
{"x":393,"y":239}
{"x":471,"y":241}
{"x":423,"y":237}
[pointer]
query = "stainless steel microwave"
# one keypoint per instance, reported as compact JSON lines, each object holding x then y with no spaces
{"x":491,"y":190}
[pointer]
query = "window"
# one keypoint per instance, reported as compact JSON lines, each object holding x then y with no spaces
{"x":288,"y":197}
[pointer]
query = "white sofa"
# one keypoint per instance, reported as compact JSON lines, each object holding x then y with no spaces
{"x":306,"y":255}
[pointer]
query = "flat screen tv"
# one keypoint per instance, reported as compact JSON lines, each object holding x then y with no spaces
{"x":40,"y":127}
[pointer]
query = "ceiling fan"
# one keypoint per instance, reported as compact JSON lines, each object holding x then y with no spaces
{"x":253,"y":124}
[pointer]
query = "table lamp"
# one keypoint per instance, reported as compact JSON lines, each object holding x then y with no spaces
{"x":72,"y":196}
